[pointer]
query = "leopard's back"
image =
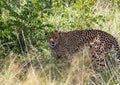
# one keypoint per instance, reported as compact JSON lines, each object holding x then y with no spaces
{"x":78,"y":39}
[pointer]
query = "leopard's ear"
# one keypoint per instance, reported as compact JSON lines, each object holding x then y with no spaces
{"x":46,"y":33}
{"x":56,"y":31}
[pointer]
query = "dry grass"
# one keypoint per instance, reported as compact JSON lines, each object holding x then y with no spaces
{"x":78,"y":73}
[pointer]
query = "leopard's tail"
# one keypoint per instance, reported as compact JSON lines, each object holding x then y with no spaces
{"x":117,"y":49}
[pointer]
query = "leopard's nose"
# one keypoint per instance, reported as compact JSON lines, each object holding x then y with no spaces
{"x":53,"y":43}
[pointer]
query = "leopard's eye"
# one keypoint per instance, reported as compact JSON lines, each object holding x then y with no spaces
{"x":56,"y":37}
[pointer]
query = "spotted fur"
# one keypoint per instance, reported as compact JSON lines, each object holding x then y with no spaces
{"x":69,"y":43}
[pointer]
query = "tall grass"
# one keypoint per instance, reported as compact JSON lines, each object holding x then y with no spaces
{"x":44,"y":70}
{"x":57,"y":73}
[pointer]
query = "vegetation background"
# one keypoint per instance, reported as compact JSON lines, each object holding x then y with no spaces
{"x":22,"y":42}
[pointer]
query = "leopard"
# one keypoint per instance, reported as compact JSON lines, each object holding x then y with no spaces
{"x":69,"y":43}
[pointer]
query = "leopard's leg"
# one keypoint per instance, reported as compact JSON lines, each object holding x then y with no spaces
{"x":92,"y":58}
{"x":67,"y":54}
{"x":97,"y":54}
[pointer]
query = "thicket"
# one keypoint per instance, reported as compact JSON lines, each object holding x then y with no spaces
{"x":23,"y":22}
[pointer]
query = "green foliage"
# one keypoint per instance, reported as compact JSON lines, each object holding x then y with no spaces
{"x":22,"y":24}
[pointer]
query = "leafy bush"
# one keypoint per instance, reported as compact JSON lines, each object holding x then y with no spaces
{"x":23,"y":22}
{"x":22,"y":25}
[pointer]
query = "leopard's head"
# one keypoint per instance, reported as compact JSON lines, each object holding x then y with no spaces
{"x":52,"y":38}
